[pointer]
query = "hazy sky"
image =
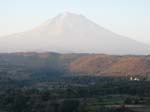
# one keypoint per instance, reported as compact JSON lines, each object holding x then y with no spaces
{"x":126,"y":17}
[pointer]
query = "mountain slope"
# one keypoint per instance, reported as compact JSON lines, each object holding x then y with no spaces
{"x":111,"y":65}
{"x":70,"y":32}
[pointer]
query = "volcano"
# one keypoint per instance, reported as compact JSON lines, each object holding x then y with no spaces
{"x":71,"y":33}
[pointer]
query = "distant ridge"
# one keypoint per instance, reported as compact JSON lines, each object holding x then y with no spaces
{"x":69,"y":32}
{"x":33,"y":65}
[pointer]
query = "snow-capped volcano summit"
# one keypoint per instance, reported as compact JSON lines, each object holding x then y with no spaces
{"x":69,"y":32}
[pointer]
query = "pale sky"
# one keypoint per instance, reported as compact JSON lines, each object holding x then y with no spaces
{"x":126,"y":17}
